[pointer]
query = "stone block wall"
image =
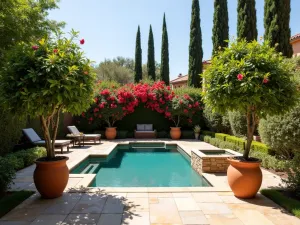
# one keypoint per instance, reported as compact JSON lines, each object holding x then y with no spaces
{"x":209,"y":164}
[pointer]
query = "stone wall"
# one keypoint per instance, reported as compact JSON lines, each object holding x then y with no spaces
{"x":209,"y":164}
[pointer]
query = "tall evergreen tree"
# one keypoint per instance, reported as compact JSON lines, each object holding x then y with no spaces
{"x":195,"y":48}
{"x":220,"y":28}
{"x":151,"y":57}
{"x":277,"y":25}
{"x":164,"y":69}
{"x":138,"y":58}
{"x":246,"y":26}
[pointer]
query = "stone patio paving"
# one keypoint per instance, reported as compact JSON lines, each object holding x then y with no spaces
{"x":145,"y":206}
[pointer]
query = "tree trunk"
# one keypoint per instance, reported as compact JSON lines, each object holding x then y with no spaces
{"x":47,"y":137}
{"x":55,"y":127}
{"x":251,"y":124}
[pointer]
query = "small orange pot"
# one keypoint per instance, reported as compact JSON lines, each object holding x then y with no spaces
{"x":244,"y":178}
{"x":175,"y":133}
{"x":111,"y":133}
{"x":51,"y":177}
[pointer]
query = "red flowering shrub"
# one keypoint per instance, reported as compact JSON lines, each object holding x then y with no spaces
{"x":113,"y":102}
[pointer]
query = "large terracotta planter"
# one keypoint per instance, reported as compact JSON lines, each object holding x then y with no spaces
{"x":111,"y":133}
{"x":175,"y":133}
{"x":51,"y":177}
{"x":244,"y":178}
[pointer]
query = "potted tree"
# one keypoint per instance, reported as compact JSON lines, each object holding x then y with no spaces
{"x":197,"y":130}
{"x":254,"y":79}
{"x":181,"y":106}
{"x":42,"y":80}
{"x":113,"y":104}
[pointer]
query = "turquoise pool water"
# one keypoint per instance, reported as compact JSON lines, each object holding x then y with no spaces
{"x":142,"y":167}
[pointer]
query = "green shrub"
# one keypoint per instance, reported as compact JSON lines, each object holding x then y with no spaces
{"x":215,"y":142}
{"x":207,"y":139}
{"x":259,"y":147}
{"x":187,"y":134}
{"x":293,"y":170}
{"x":207,"y":133}
{"x":10,"y":131}
{"x":30,"y":155}
{"x":221,"y":136}
{"x":237,"y":141}
{"x":238,"y":123}
{"x":270,"y":162}
{"x":162,"y":134}
{"x":229,"y":145}
{"x":7,"y":174}
{"x":16,"y":161}
{"x":201,"y":137}
{"x":282,"y":132}
{"x":215,"y":121}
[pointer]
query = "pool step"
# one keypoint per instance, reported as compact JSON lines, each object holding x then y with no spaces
{"x":91,"y":168}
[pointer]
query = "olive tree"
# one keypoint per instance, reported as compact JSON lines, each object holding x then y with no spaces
{"x":45,"y":78}
{"x":251,"y":78}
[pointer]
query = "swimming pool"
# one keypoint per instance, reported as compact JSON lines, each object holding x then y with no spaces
{"x":142,"y":166}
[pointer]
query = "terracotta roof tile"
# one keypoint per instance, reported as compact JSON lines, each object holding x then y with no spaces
{"x":295,"y":37}
{"x":179,"y":79}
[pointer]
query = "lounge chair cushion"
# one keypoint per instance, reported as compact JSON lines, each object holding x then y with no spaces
{"x":148,"y":127}
{"x":92,"y":135}
{"x":140,"y":127}
{"x":73,"y":130}
{"x":31,"y":135}
{"x":57,"y":142}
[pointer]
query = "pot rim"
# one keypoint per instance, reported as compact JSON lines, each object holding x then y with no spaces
{"x":240,"y":163}
{"x":175,"y":127}
{"x":64,"y":158}
{"x":110,"y":127}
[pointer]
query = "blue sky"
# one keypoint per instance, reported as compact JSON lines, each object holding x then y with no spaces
{"x":109,"y":26}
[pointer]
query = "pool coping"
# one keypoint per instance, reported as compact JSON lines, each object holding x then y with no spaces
{"x":87,"y":179}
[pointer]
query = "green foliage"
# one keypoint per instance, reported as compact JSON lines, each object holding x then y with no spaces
{"x":207,"y":138}
{"x":208,"y":133}
{"x":7,"y":174}
{"x":165,"y":68}
{"x":119,"y":69}
{"x":282,"y":132}
{"x":43,"y":78}
{"x":151,"y":56}
{"x":293,"y":170}
{"x":25,"y":20}
{"x":237,"y":141}
{"x":138,"y":58}
{"x":229,"y":145}
{"x":221,"y":136}
{"x":238,"y":123}
{"x":216,"y":122}
{"x":251,"y":78}
{"x":187,"y":134}
{"x":292,"y":205}
{"x":10,"y":201}
{"x":16,"y":160}
{"x":220,"y":29}
{"x":259,"y":147}
{"x":246,"y":27}
{"x":277,"y":25}
{"x":215,"y":142}
{"x":195,"y":48}
{"x":10,"y":131}
{"x":122,"y":134}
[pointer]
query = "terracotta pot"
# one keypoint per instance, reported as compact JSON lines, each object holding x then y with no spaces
{"x":51,"y":177}
{"x":175,"y":133}
{"x":244,"y":178}
{"x":111,"y":133}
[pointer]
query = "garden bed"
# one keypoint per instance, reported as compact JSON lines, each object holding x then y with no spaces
{"x":12,"y":199}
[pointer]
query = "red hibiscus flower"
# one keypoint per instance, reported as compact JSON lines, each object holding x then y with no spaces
{"x":35,"y":47}
{"x":55,"y":51}
{"x":85,"y":72}
{"x":266,"y":80}
{"x":240,"y":76}
{"x":82,"y":41}
{"x":185,"y":111}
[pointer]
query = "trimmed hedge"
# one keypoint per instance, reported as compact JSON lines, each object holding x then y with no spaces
{"x":237,"y":141}
{"x":208,"y":133}
{"x":221,"y":136}
{"x":259,"y":147}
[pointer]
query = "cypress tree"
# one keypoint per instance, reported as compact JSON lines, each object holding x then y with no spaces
{"x":138,"y":58}
{"x":277,"y":25}
{"x":246,"y":26}
{"x":220,"y":29}
{"x":195,"y":48}
{"x":165,"y":70}
{"x":151,"y":57}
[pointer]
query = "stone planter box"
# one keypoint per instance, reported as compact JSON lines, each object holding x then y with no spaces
{"x":211,"y":161}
